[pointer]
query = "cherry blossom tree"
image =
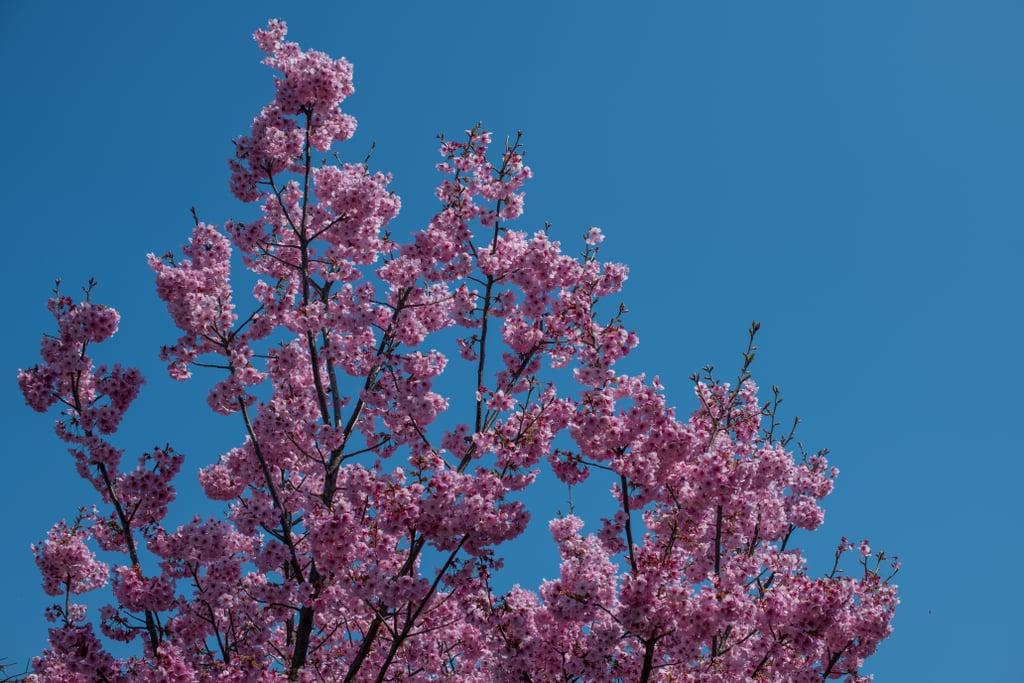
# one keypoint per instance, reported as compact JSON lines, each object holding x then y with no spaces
{"x":366,"y":515}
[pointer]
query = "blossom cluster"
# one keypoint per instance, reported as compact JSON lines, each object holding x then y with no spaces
{"x":368,"y":507}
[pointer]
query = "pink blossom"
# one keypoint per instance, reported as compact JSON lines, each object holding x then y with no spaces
{"x":368,"y":502}
{"x":66,"y":563}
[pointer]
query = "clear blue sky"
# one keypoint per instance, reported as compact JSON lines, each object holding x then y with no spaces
{"x":849,"y":174}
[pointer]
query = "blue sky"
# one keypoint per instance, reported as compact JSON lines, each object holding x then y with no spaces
{"x":849,"y":174}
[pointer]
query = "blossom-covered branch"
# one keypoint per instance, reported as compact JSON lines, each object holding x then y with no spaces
{"x":367,"y":511}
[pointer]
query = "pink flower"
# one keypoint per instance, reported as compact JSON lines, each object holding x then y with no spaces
{"x":371,"y":489}
{"x":66,"y":563}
